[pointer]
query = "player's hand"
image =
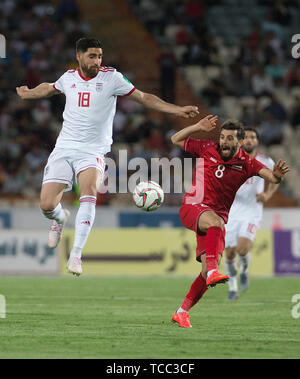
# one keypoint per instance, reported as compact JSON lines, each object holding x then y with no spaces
{"x":280,"y":169}
{"x":208,"y":123}
{"x":262,"y":197}
{"x":23,"y":92}
{"x":188,"y":111}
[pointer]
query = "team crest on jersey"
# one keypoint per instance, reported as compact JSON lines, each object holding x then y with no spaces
{"x":99,"y":87}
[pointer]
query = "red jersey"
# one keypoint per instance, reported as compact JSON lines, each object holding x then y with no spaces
{"x":215,"y":182}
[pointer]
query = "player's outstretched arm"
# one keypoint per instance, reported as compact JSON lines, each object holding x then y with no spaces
{"x":154,"y":102}
{"x":206,"y":124}
{"x":275,"y":175}
{"x":270,"y":189}
{"x":42,"y":91}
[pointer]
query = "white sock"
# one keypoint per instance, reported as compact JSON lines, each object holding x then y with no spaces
{"x":57,"y":214}
{"x":232,"y":283}
{"x":244,"y":262}
{"x":210,"y":272}
{"x":180,"y":310}
{"x":231,"y":271}
{"x":83,"y":224}
{"x":230,"y":267}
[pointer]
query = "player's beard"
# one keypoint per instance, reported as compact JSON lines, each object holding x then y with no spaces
{"x":249,"y":150}
{"x":233,"y":150}
{"x":90,"y":72}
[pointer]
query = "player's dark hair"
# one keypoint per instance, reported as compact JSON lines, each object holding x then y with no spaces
{"x":252,"y":130}
{"x":234,"y":125}
{"x":83,"y":44}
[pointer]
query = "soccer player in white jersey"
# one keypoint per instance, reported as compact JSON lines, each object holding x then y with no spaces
{"x":86,"y":136}
{"x":245,"y":216}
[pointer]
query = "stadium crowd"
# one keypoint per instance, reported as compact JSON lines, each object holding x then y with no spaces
{"x":41,"y":40}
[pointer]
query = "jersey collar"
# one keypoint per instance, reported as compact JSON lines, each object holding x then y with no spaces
{"x":82,"y":77}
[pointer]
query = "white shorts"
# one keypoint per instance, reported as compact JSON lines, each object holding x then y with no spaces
{"x":240,"y":228}
{"x":63,"y":166}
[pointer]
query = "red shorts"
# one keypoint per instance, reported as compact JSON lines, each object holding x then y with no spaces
{"x":189,"y":215}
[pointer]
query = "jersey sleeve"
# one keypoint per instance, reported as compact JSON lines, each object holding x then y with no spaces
{"x":254,"y":166}
{"x":196,"y":147}
{"x":122,"y":86}
{"x":59,"y":84}
{"x":270,"y":164}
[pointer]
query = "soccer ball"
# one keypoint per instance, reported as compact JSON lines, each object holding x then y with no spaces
{"x":148,"y":196}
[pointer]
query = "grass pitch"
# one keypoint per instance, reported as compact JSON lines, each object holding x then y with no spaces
{"x":125,"y":317}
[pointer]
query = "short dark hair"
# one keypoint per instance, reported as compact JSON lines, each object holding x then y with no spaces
{"x":234,"y":125}
{"x":248,"y":129}
{"x":83,"y":44}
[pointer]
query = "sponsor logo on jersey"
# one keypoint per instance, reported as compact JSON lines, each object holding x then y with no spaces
{"x":73,"y":85}
{"x":213,"y":159}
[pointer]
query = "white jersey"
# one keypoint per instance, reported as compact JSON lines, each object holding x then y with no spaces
{"x":90,"y":109}
{"x":245,"y":205}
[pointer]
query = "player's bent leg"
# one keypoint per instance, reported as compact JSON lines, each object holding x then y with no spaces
{"x":216,"y":277}
{"x":243,"y":247}
{"x":197,"y":290}
{"x":51,"y":195}
{"x":211,"y":224}
{"x":87,"y":181}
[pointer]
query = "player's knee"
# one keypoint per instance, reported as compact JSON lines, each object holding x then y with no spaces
{"x":243,"y":250}
{"x":230,"y":253}
{"x":47,"y":205}
{"x":90,"y":190}
{"x":216,"y":223}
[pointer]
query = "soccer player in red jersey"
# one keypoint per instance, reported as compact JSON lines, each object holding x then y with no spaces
{"x":222,"y":169}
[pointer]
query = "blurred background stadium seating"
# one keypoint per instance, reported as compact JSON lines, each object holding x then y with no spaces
{"x":231,"y":57}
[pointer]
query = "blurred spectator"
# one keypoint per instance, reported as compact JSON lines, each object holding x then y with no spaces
{"x":68,"y":9}
{"x":167,"y":64}
{"x":270,"y":24}
{"x":295,"y":113}
{"x":281,"y":12}
{"x":275,"y":70}
{"x":156,"y":141}
{"x":292,"y":78}
{"x":250,"y":115}
{"x":261,"y":83}
{"x":270,"y":130}
{"x":276,"y":109}
{"x":194,"y":11}
{"x":212,"y":93}
{"x":254,"y":38}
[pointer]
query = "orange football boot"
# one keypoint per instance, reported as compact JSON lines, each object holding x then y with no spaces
{"x":216,"y":278}
{"x":183,"y":319}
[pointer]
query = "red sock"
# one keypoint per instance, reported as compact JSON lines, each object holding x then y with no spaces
{"x":212,"y":243}
{"x":197,"y":290}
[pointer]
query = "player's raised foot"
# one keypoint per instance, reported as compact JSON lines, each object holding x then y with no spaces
{"x":216,"y":278}
{"x":244,"y":281}
{"x":74,"y":266}
{"x":183,"y":319}
{"x":233,"y":295}
{"x":55,"y":232}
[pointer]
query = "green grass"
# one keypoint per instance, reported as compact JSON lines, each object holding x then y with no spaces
{"x":92,"y":317}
